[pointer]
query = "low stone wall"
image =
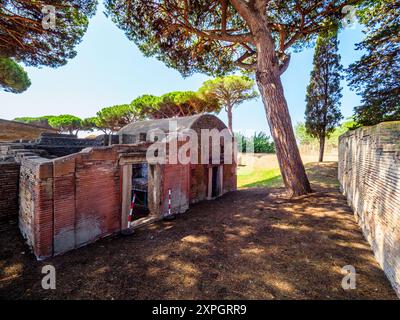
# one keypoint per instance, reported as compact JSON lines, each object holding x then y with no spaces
{"x":270,"y":161}
{"x":9,"y":174}
{"x":13,"y":130}
{"x":369,"y":174}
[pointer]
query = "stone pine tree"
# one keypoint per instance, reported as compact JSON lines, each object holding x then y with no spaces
{"x":230,"y":91}
{"x":220,"y":36}
{"x":13,"y":77}
{"x":25,"y":36}
{"x":376,"y":76}
{"x":324,"y":91}
{"x":174,"y":104}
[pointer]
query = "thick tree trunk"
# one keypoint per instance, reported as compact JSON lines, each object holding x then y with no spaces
{"x":271,"y":89}
{"x":230,"y":121}
{"x":321,"y":148}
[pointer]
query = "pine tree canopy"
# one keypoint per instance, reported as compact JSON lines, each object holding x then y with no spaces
{"x":216,"y":36}
{"x":23,"y":37}
{"x":376,"y":76}
{"x":13,"y":77}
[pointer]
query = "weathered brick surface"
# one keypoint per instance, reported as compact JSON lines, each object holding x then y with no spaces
{"x":98,"y":200}
{"x":9,"y":185}
{"x":64,"y":204}
{"x":230,"y":178}
{"x":176,"y":179}
{"x":87,"y":200}
{"x":36,"y":205}
{"x":73,"y":200}
{"x":13,"y":130}
{"x":198,"y":183}
{"x":369,"y":173}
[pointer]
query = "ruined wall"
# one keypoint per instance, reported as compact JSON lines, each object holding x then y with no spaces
{"x":230,"y":178}
{"x":13,"y":130}
{"x":87,"y":203}
{"x":36,"y":205}
{"x":369,"y":174}
{"x":9,"y":176}
{"x":176,"y":179}
{"x":68,"y":202}
{"x":198,"y":182}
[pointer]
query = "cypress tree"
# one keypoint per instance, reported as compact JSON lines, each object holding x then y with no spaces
{"x":324,"y":92}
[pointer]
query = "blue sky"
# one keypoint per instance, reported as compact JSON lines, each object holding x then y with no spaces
{"x":110,"y":70}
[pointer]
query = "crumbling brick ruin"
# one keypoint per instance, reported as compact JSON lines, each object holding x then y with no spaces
{"x":369,"y":174}
{"x":75,"y":191}
{"x":14,"y":130}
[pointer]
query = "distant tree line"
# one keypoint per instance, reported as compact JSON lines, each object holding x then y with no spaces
{"x":305,"y":138}
{"x":259,"y":142}
{"x":225,"y":92}
{"x":112,"y":119}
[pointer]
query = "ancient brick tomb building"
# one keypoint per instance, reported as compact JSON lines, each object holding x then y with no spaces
{"x":67,"y":201}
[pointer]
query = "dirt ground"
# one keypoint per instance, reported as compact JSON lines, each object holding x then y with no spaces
{"x":249,"y":244}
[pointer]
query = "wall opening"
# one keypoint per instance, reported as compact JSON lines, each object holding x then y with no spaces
{"x":139,"y":192}
{"x":215,"y":181}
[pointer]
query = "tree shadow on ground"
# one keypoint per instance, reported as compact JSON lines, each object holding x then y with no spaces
{"x":249,"y":244}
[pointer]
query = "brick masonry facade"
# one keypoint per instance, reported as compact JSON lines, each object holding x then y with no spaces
{"x":13,"y":130}
{"x":9,"y":184}
{"x":369,"y":174}
{"x":72,"y":192}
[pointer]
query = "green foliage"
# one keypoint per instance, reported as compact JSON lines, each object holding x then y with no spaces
{"x":173,"y":104}
{"x":66,"y":123}
{"x":13,"y":78}
{"x":217,"y":37}
{"x":376,"y":76}
{"x":259,"y":178}
{"x":116,"y":117}
{"x":24,"y":38}
{"x":230,"y":91}
{"x":145,"y":104}
{"x":262,"y":143}
{"x":304,"y":138}
{"x":89,"y":124}
{"x":258,"y":143}
{"x":34,"y":120}
{"x":324,"y":91}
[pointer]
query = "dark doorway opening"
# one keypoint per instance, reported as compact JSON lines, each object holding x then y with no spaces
{"x":215,"y":189}
{"x":140,"y":191}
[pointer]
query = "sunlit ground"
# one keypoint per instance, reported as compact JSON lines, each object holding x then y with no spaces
{"x":257,"y":177}
{"x":262,"y":170}
{"x":254,"y":243}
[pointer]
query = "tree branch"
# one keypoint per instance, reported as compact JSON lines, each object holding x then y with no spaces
{"x":284,"y":65}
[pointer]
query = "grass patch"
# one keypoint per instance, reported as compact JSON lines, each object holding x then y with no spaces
{"x":322,"y":174}
{"x":270,"y":178}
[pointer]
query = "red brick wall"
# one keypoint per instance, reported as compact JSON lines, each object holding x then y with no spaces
{"x":64,"y":204}
{"x":176,"y":179}
{"x":36,"y":205}
{"x":9,"y":176}
{"x":198,"y":183}
{"x":69,"y":201}
{"x":87,"y":200}
{"x":230,"y":178}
